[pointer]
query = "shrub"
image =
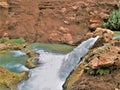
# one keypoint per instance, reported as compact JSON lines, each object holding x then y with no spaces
{"x":113,"y":22}
{"x":100,"y":71}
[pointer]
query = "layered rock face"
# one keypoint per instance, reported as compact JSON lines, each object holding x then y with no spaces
{"x":59,"y":21}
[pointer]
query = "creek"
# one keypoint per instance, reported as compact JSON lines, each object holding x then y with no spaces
{"x":54,"y":66}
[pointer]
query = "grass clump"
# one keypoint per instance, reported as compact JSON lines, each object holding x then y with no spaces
{"x":12,"y":41}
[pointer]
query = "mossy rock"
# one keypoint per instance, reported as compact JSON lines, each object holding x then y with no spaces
{"x":11,"y":79}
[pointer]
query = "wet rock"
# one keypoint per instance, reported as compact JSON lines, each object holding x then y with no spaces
{"x":72,"y":78}
{"x":31,"y":54}
{"x":33,"y":60}
{"x":11,"y":79}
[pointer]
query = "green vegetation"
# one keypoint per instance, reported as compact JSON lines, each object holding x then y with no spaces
{"x":100,"y":71}
{"x":113,"y":22}
{"x":16,"y":41}
{"x":12,"y":41}
{"x":90,"y":71}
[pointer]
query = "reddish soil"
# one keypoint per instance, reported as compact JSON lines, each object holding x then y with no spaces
{"x":58,"y":21}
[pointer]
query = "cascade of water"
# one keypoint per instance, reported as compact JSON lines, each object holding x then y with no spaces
{"x":73,"y":58}
{"x":45,"y":77}
{"x":54,"y":68}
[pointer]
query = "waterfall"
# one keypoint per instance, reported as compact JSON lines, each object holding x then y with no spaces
{"x":45,"y":77}
{"x":73,"y":58}
{"x":54,"y":68}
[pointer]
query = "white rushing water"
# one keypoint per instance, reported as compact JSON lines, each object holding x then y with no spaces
{"x":54,"y":68}
{"x":46,"y":76}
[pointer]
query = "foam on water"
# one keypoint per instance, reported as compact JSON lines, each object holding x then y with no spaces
{"x":16,"y":67}
{"x":18,"y":53}
{"x":46,"y":76}
{"x":14,"y":61}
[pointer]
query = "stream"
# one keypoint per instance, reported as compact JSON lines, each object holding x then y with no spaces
{"x":54,"y":67}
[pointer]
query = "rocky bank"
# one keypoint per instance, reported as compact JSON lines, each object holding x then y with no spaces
{"x":99,"y":68}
